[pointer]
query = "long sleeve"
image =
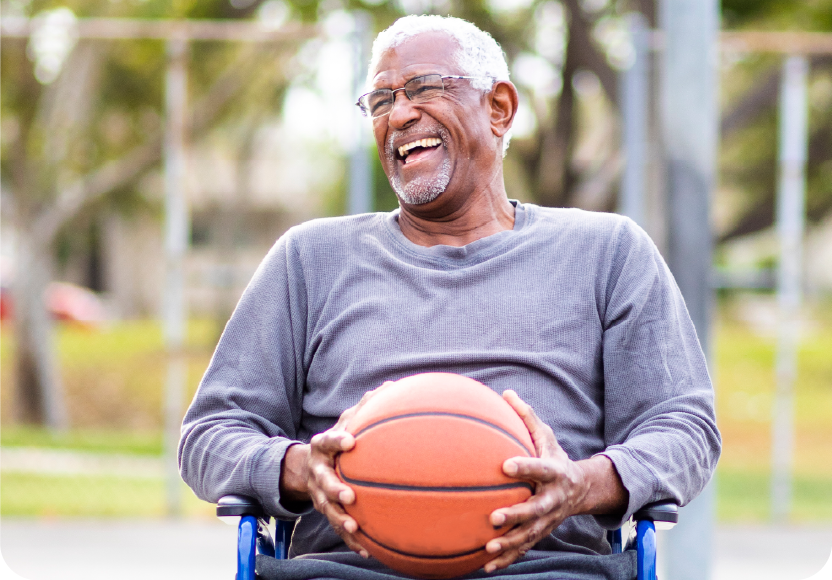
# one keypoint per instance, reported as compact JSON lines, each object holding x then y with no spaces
{"x":659,"y":421}
{"x":247,"y":410}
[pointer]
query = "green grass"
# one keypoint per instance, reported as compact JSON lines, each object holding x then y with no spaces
{"x":745,"y":384}
{"x":114,"y":381}
{"x":743,"y":496}
{"x":37,"y":495}
{"x":114,"y":376}
{"x":87,"y":440}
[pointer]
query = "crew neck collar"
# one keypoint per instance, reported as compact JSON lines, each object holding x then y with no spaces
{"x":476,"y":251}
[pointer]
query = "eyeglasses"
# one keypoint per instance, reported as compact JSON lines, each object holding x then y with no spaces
{"x":419,"y":90}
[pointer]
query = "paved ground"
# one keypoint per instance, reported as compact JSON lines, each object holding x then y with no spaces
{"x":168,"y":550}
{"x":770,"y":553}
{"x":140,"y":550}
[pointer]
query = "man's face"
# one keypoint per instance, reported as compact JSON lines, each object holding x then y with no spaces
{"x":455,"y":146}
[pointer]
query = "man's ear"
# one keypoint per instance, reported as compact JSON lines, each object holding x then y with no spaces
{"x":504,"y":101}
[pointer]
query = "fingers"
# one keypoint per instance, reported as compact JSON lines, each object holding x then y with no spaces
{"x":332,"y":442}
{"x":344,"y":526}
{"x":324,"y":482}
{"x":329,"y":495}
{"x":540,"y":432}
{"x":515,"y":543}
{"x":541,"y":506}
{"x":522,"y":408}
{"x":534,"y":469}
{"x":545,"y":442}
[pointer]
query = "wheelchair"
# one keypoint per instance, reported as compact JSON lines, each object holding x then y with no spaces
{"x":254,"y":535}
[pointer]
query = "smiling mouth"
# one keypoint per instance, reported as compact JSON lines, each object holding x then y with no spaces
{"x":412,"y":151}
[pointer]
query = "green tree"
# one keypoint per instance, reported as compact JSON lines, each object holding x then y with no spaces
{"x":82,"y":128}
{"x":749,"y":123}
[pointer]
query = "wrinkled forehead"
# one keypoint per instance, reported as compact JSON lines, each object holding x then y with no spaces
{"x":423,"y":53}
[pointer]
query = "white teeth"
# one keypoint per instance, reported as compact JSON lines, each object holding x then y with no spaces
{"x":429,"y":142}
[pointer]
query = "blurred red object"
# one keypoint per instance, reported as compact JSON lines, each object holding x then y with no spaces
{"x":65,"y":302}
{"x":5,"y":304}
{"x":74,"y":303}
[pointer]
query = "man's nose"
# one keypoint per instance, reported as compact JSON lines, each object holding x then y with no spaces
{"x":403,"y":114}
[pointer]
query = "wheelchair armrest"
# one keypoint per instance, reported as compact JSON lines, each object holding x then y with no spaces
{"x":234,"y":506}
{"x":665,"y":514}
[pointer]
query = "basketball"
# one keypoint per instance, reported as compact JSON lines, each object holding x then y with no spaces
{"x":427,"y":472}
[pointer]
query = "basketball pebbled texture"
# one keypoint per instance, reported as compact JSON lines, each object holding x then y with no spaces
{"x":427,"y":472}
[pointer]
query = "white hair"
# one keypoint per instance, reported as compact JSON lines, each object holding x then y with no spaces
{"x":478,"y":55}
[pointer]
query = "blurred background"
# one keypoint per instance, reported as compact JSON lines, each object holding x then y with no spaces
{"x":152,"y":152}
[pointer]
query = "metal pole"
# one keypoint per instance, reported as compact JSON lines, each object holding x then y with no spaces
{"x":635,"y":109}
{"x":791,"y":204}
{"x":235,"y":30}
{"x":360,"y":198}
{"x":689,"y":127}
{"x":176,"y":244}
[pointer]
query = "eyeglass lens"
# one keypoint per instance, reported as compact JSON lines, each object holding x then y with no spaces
{"x":418,"y":90}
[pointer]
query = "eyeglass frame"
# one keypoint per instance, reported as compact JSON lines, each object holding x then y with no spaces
{"x":365,"y":111}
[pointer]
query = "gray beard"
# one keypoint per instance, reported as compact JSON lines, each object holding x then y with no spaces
{"x":420,"y":190}
{"x":423,"y":190}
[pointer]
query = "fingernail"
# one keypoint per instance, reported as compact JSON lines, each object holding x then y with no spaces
{"x":489,"y":568}
{"x":492,"y":547}
{"x":497,"y":520}
{"x":364,"y":554}
{"x":350,"y":526}
{"x":345,"y":496}
{"x":510,"y":468}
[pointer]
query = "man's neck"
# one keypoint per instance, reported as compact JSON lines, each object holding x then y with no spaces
{"x":484,"y":214}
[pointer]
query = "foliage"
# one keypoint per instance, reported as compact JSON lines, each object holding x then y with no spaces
{"x":80,"y":136}
{"x":748,"y":164}
{"x":547,"y":43}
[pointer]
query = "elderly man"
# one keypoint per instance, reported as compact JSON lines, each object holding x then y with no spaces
{"x":570,"y":313}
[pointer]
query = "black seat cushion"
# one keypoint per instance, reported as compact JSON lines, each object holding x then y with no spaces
{"x":536,"y":565}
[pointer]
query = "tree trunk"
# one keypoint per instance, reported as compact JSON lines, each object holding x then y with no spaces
{"x":555,"y":179}
{"x":40,"y":397}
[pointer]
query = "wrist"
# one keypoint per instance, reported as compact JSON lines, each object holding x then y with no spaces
{"x":587,"y":488}
{"x":294,"y":473}
{"x":604,"y":491}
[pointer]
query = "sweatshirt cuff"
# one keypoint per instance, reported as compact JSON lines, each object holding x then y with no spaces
{"x":637,"y":480}
{"x":265,"y":481}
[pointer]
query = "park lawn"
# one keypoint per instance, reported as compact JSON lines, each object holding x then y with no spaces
{"x":95,"y":440}
{"x":743,"y":496}
{"x":745,"y":385}
{"x":42,"y":495}
{"x":113,"y":376}
{"x":114,"y":379}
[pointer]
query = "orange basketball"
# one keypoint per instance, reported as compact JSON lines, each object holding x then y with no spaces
{"x":427,"y":472}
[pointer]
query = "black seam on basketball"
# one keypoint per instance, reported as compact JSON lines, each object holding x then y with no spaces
{"x":444,"y":414}
{"x":401,"y":487}
{"x":421,"y":556}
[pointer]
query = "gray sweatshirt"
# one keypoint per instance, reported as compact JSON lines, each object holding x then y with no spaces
{"x":575,"y":311}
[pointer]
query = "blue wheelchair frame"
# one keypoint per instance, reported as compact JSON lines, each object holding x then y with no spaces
{"x":254,"y":535}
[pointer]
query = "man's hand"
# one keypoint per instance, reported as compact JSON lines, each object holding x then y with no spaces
{"x":563,"y":488}
{"x":309,"y":473}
